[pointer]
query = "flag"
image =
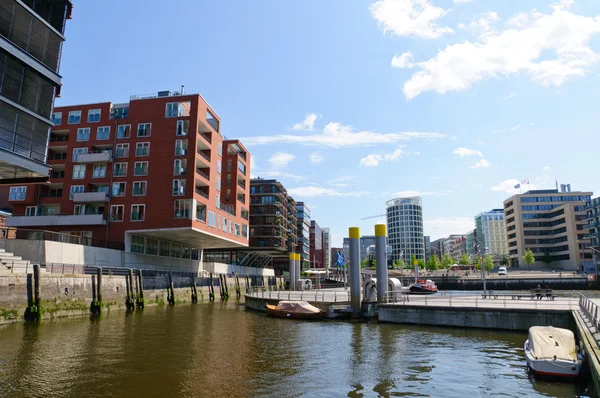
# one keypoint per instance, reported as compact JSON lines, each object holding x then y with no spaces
{"x":525,"y":181}
{"x":517,"y":186}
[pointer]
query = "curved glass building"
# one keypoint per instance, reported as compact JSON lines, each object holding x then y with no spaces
{"x":405,"y":228}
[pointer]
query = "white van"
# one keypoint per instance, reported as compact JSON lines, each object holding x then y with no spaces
{"x":502,"y":271}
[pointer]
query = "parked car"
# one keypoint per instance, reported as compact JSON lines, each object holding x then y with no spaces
{"x":502,"y":271}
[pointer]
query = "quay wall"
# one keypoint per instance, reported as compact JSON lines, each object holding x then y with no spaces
{"x":483,"y":318}
{"x":455,"y":283}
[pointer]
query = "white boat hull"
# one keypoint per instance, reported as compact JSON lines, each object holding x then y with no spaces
{"x":552,"y":367}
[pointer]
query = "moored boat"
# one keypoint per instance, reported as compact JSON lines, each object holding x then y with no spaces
{"x":294,"y":310}
{"x":552,"y":351}
{"x":423,"y":287}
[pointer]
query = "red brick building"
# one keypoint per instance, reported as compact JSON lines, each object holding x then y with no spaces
{"x":152,"y":176}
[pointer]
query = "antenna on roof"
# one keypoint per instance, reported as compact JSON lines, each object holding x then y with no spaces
{"x":182,"y":92}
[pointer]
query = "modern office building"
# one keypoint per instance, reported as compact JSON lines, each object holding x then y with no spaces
{"x":333,"y":255}
{"x":364,"y":243}
{"x":594,"y":223}
{"x":437,"y":247}
{"x":317,"y":256}
{"x":32,"y":34}
{"x":405,"y":228}
{"x":552,"y":224}
{"x":326,"y":247}
{"x":147,"y":176}
{"x":491,"y":233}
{"x":427,"y":247}
{"x":471,"y":243}
{"x":455,"y":246}
{"x":303,"y":231}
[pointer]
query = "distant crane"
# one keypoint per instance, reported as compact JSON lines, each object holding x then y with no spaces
{"x":377,"y":216}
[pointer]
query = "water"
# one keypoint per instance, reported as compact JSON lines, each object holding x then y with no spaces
{"x":222,"y":350}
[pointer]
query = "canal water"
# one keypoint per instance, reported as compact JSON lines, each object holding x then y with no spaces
{"x":223,"y":350}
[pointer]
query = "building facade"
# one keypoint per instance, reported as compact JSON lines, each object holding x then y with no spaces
{"x":437,"y":247}
{"x":364,"y":243}
{"x":471,"y":243}
{"x":427,"y":247}
{"x":317,"y":256}
{"x":405,"y":229}
{"x":326,"y":247}
{"x":303,"y":231}
{"x":594,"y":223}
{"x":455,"y":246}
{"x":146,"y":176}
{"x":32,"y":35}
{"x":491,"y":233}
{"x":551,"y":224}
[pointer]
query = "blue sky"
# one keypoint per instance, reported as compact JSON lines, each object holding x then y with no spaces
{"x":352,"y":103}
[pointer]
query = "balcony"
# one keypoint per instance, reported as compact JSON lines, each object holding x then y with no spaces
{"x":203,"y":142}
{"x":204,"y":157}
{"x":202,"y":193}
{"x":56,"y":220}
{"x":202,"y":173}
{"x":90,"y":197}
{"x":101,"y":157}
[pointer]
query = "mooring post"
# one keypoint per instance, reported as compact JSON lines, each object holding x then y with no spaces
{"x":130,"y":303}
{"x":225,"y":287}
{"x":237,"y":286}
{"x":194,"y":291}
{"x":171,"y":295}
{"x":354,"y":274}
{"x":292,"y":270}
{"x":381,"y":262}
{"x":96,"y":305}
{"x":211,"y":288}
{"x":36,"y":285}
{"x":140,"y":282}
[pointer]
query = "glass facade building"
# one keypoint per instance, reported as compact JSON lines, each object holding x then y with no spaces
{"x":405,"y":229}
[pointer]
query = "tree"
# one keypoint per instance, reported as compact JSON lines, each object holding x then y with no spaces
{"x":364,"y":263}
{"x":421,"y":264}
{"x":504,"y":260}
{"x":488,"y":262}
{"x":529,"y":258}
{"x":478,"y":262}
{"x":413,"y":261}
{"x":447,"y":261}
{"x":398,"y":264}
{"x":464,"y":260}
{"x":547,"y":258}
{"x":433,"y":263}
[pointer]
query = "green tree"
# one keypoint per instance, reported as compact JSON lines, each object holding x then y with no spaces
{"x":364,"y":263}
{"x":464,"y":260}
{"x":421,"y":264}
{"x":433,"y":263}
{"x":529,"y":258}
{"x":504,"y":260}
{"x":413,"y":261}
{"x":488,"y":262}
{"x":398,"y":264}
{"x":447,"y":261}
{"x":478,"y":262}
{"x":547,"y":258}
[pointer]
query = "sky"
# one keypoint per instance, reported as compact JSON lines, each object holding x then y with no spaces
{"x":352,"y":103}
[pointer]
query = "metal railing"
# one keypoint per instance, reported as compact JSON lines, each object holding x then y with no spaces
{"x":590,"y":310}
{"x":316,"y":295}
{"x":36,"y":234}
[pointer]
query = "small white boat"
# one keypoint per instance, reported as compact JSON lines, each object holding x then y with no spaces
{"x":552,"y":351}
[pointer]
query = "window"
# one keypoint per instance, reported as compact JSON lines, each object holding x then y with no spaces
{"x":138,"y":212}
{"x":103,"y":133}
{"x":212,"y":219}
{"x":237,"y":229}
{"x":117,"y":213}
{"x":220,"y":149}
{"x":182,"y":208}
{"x":17,"y":193}
{"x":142,"y":149}
{"x":93,"y":115}
{"x":179,"y":167}
{"x":178,"y":187}
{"x":218,"y":222}
{"x":228,"y":167}
{"x":57,"y":118}
{"x":99,"y":171}
{"x":122,"y":150}
{"x":79,"y":210}
{"x":137,"y":244}
{"x":181,"y":147}
{"x":174,"y":109}
{"x":74,"y":117}
{"x":182,"y":127}
{"x":83,"y":134}
{"x":75,"y":189}
{"x":151,"y":246}
{"x":139,"y":188}
{"x":224,"y":224}
{"x":140,"y":168}
{"x":79,"y":151}
{"x":118,"y":189}
{"x":218,"y":184}
{"x":78,"y":171}
{"x":30,"y":211}
{"x":120,"y":170}
{"x":218,"y":200}
{"x":124,"y":131}
{"x":164,"y":248}
{"x":212,"y":120}
{"x":175,"y":250}
{"x":219,"y":166}
{"x":144,"y":129}
{"x":230,"y":226}
{"x":241,"y":167}
{"x":200,"y":212}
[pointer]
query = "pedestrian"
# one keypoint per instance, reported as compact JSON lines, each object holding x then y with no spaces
{"x":539,"y":293}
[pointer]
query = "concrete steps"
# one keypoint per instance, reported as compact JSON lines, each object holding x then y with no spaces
{"x":14,"y":264}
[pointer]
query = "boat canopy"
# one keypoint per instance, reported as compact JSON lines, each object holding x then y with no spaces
{"x":297,"y":306}
{"x":547,"y":342}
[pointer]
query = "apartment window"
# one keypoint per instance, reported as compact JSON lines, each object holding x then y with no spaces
{"x":241,"y":167}
{"x":103,"y":133}
{"x":74,"y":117}
{"x":182,"y":208}
{"x":124,"y":131}
{"x":179,"y":167}
{"x":78,"y":171}
{"x":30,"y":211}
{"x":137,"y":244}
{"x":218,"y":184}
{"x":118,"y":189}
{"x":174,"y":109}
{"x":138,"y":212}
{"x":140,"y":168}
{"x":224,"y":224}
{"x":139,"y":188}
{"x":200,"y":211}
{"x":93,"y":115}
{"x":75,"y":189}
{"x":122,"y":150}
{"x":218,"y":222}
{"x":164,"y":248}
{"x":220,"y":149}
{"x":79,"y":210}
{"x":151,"y":246}
{"x":182,"y":127}
{"x":144,"y":129}
{"x":99,"y":171}
{"x":117,"y":213}
{"x":79,"y":151}
{"x":244,"y":231}
{"x":178,"y":187}
{"x":57,"y":118}
{"x":228,"y":167}
{"x":175,"y":250}
{"x":83,"y":134}
{"x":212,"y":219}
{"x":120,"y":170}
{"x":181,"y":147}
{"x":17,"y":193}
{"x":218,"y":200}
{"x":219,"y":166}
{"x":230,"y":226}
{"x":142,"y":149}
{"x":237,"y":229}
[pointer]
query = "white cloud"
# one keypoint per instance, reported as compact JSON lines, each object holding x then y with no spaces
{"x":403,"y":61}
{"x":479,"y":141}
{"x":336,"y":135}
{"x":281,"y":159}
{"x":522,"y":47}
{"x":307,"y":124}
{"x":515,"y":127}
{"x":374,"y":159}
{"x":444,"y":226}
{"x":279,"y":174}
{"x":462,"y":152}
{"x":409,"y":193}
{"x":510,"y":96}
{"x":546,"y":168}
{"x":483,"y":163}
{"x":483,"y":23}
{"x":410,"y":18}
{"x":342,"y":179}
{"x":311,"y":191}
{"x":462,"y":1}
{"x":316,"y":157}
{"x":506,"y":186}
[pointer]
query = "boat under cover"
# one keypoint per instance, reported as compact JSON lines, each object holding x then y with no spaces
{"x":553,"y":351}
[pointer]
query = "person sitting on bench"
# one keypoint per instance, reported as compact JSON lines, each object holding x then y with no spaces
{"x":548,"y":292}
{"x":538,"y":292}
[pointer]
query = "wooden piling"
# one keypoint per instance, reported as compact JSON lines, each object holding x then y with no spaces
{"x":130,"y":301}
{"x":225,"y":287}
{"x":96,"y":306}
{"x":221,"y":290}
{"x":36,"y":285}
{"x":194,"y":291}
{"x":141,"y":303}
{"x":237,"y":286}
{"x":211,"y":288}
{"x":171,"y":296}
{"x":33,"y":310}
{"x":247,"y":283}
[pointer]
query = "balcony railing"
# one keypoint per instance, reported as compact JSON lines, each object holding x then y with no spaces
{"x":203,"y":174}
{"x":205,"y":136}
{"x":227,"y":208}
{"x":101,"y":157}
{"x":59,"y":138}
{"x":87,"y":197}
{"x":53,"y":220}
{"x":205,"y":156}
{"x":202,"y":193}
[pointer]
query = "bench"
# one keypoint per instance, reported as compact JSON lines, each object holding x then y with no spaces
{"x":541,"y":293}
